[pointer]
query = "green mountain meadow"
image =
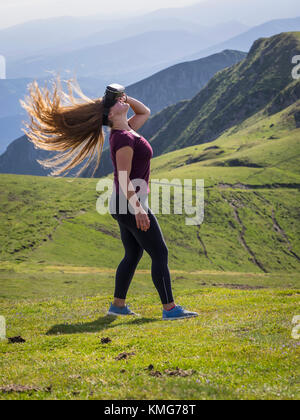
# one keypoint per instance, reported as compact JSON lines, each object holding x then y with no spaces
{"x":239,"y":269}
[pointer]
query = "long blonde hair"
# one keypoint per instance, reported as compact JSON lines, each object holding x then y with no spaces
{"x":73,"y":128}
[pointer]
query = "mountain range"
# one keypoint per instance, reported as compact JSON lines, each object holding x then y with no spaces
{"x":157,"y":91}
{"x":106,"y":59}
{"x":41,"y":35}
{"x":244,"y":40}
{"x":236,"y":93}
{"x":11,"y":90}
{"x":248,"y":12}
{"x":261,"y":82}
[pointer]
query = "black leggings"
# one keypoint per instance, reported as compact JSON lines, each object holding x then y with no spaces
{"x":135,"y":241}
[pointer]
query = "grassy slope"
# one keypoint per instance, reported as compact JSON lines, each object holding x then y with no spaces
{"x":233,"y":94}
{"x":54,"y":221}
{"x":252,"y":143}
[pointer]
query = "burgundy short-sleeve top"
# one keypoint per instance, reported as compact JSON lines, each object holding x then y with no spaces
{"x":142,"y":154}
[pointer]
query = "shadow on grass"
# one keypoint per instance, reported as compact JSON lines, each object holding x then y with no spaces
{"x":99,"y":324}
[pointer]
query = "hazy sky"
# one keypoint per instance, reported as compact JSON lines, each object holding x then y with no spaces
{"x":16,"y":11}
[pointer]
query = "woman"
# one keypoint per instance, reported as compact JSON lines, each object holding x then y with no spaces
{"x":77,"y":131}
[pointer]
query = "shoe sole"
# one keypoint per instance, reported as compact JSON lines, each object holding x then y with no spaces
{"x":180,"y":317}
{"x":113,"y":313}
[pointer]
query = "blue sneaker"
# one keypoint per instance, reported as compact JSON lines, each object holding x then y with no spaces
{"x":115,"y":310}
{"x":178,"y":312}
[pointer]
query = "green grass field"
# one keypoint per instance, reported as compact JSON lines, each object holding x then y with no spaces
{"x":239,"y":269}
{"x":240,"y":347}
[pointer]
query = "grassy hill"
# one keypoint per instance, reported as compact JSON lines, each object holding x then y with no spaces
{"x":235,"y":94}
{"x":251,"y":176}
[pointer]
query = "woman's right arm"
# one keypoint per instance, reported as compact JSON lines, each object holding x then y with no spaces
{"x":124,"y":162}
{"x":142,"y":113}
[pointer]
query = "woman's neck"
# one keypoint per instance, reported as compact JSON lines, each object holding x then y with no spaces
{"x":121,"y":124}
{"x":121,"y":127}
